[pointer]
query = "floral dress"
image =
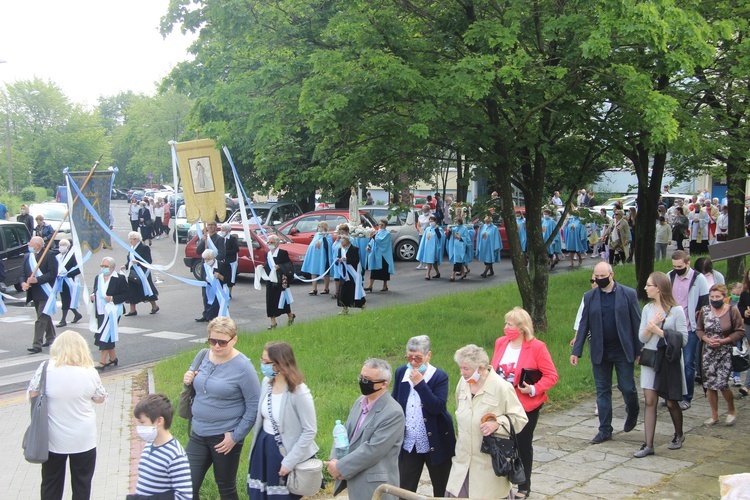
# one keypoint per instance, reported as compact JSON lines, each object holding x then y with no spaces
{"x":717,"y":361}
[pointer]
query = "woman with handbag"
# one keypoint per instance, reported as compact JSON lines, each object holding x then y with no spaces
{"x":524,"y":362}
{"x":277,"y":259}
{"x":285,"y":429}
{"x":223,"y":410}
{"x":71,"y":388}
{"x":720,"y":327}
{"x":483,"y":401}
{"x":661,"y":321}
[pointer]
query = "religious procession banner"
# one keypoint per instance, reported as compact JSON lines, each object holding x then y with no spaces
{"x":98,"y":192}
{"x":202,"y":180}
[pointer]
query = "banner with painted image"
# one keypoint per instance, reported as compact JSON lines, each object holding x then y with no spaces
{"x":98,"y":192}
{"x":202,"y":180}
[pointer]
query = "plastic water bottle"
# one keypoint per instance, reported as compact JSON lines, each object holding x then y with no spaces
{"x":340,"y":440}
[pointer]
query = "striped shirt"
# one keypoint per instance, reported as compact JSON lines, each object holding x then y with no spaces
{"x":164,"y":468}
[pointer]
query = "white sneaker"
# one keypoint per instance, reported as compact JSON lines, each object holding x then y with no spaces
{"x":737,"y":382}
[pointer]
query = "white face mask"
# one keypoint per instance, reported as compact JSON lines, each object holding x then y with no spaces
{"x":433,"y":224}
{"x":474,"y":377}
{"x":146,"y":432}
{"x":272,"y":247}
{"x":64,"y":249}
{"x":222,"y":234}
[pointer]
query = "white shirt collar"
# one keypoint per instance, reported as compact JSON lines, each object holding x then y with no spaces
{"x":427,"y":375}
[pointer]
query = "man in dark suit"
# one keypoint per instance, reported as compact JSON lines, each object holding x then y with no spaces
{"x":612,"y":315}
{"x":376,"y":432}
{"x":36,"y":291}
{"x":210,"y":232}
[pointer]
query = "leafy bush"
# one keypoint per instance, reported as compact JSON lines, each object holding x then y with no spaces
{"x":28,"y":194}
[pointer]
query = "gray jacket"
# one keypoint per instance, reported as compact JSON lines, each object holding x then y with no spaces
{"x":297,"y":424}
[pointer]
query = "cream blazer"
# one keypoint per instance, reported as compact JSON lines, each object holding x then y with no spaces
{"x":499,"y":398}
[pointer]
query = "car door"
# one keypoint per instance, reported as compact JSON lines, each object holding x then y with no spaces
{"x":14,"y":242}
{"x":304,"y":229}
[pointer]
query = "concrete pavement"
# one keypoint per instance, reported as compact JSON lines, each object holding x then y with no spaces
{"x":566,"y":465}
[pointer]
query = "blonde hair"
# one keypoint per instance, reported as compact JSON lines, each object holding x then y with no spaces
{"x":323,"y":224}
{"x":522,"y":320}
{"x":223,"y":326}
{"x":71,"y":349}
{"x":472,"y":355}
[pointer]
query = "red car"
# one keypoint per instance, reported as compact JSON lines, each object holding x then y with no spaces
{"x":260,"y":249}
{"x":302,"y":229}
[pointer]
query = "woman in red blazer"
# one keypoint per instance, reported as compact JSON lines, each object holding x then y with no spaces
{"x":514,"y":352}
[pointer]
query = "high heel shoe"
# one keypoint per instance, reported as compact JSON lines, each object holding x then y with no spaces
{"x":368,"y":289}
{"x":100,"y":367}
{"x":483,"y":275}
{"x":325,"y":292}
{"x":113,"y":362}
{"x":291,"y":320}
{"x":312,"y":292}
{"x":436,"y":276}
{"x":384,"y":289}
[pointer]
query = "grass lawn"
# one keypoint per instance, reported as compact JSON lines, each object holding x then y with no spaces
{"x":331,"y":351}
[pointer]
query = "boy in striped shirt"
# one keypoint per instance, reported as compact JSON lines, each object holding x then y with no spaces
{"x":163,"y":468}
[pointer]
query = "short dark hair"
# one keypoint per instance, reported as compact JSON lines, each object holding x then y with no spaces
{"x":155,"y":406}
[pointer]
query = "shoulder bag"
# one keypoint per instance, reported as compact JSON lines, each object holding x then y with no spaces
{"x":36,"y":439}
{"x":307,"y":476}
{"x":741,"y":357}
{"x":648,"y":356}
{"x":506,"y":462}
{"x":185,"y":405}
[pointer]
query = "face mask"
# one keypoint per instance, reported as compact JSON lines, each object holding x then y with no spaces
{"x":432,"y":224}
{"x":64,"y":250}
{"x":210,"y":263}
{"x":511,"y":333}
{"x":367,"y":387}
{"x":267,"y":370}
{"x":272,"y":247}
{"x":222,"y":233}
{"x":23,"y":212}
{"x":717,"y":304}
{"x":546,"y":216}
{"x":734,"y":297}
{"x":602,"y":282}
{"x":422,"y":368}
{"x":105,"y":271}
{"x":681,"y":272}
{"x":31,"y":249}
{"x":320,"y":230}
{"x":146,"y":432}
{"x":474,"y":377}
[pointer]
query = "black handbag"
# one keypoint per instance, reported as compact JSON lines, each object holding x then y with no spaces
{"x":185,"y":404}
{"x":741,"y":357}
{"x":133,"y":277}
{"x":506,"y":462}
{"x":647,"y":358}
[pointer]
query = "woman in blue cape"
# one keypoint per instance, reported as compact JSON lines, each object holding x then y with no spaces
{"x":521,"y":223}
{"x":431,"y":247}
{"x":488,"y":246}
{"x":380,"y":257}
{"x":576,"y":238}
{"x":459,"y":245}
{"x":319,"y":257}
{"x":548,"y":228}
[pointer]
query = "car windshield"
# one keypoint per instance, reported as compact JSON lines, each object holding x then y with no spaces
{"x":54,"y":211}
{"x":182,"y":212}
{"x":283,"y":239}
{"x":261,"y":213}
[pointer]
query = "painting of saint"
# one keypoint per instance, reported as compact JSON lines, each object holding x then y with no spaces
{"x":200,"y":170}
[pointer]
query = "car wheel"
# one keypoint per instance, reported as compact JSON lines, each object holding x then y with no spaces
{"x":195,"y":268}
{"x":406,"y":250}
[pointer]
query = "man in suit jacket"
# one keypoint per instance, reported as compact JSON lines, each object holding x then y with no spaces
{"x":210,"y":232}
{"x":612,"y":315}
{"x":376,"y":432}
{"x":34,"y":286}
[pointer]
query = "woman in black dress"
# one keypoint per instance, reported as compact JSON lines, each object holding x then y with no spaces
{"x":135,"y":285}
{"x":68,"y":269}
{"x":351,"y":276}
{"x":109,"y":287}
{"x":278,"y":262}
{"x":145,"y":222}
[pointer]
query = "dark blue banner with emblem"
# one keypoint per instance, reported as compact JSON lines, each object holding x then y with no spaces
{"x":86,"y":232}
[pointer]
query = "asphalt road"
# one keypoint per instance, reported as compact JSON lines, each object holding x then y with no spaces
{"x":147,"y":338}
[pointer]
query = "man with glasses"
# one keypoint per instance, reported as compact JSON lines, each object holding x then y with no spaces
{"x":690,"y":290}
{"x":216,"y":244}
{"x":376,"y":430}
{"x":612,"y":316}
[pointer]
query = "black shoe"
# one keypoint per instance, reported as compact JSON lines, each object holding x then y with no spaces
{"x":113,"y":362}
{"x":201,"y":320}
{"x":77,"y":317}
{"x":600,"y":438}
{"x":154,"y":311}
{"x":630,"y":422}
{"x":61,"y":323}
{"x":134,"y":313}
{"x":48,"y":343}
{"x":34,"y":350}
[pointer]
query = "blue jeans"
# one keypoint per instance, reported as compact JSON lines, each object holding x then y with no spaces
{"x":625,"y":383}
{"x":689,"y":353}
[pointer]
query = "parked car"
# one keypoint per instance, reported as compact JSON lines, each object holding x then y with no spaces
{"x":181,"y":225}
{"x":119,"y":194}
{"x":61,"y":194}
{"x":53,"y":214}
{"x":302,"y":229}
{"x":630,"y":201}
{"x":270,"y":214}
{"x":176,"y":200}
{"x":401,"y":225}
{"x":14,"y":240}
{"x":260,"y":249}
{"x":137,"y":194}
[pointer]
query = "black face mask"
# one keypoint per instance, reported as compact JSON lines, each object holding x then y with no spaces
{"x":680,"y":272}
{"x":602,"y":282}
{"x":717,"y":304}
{"x":367,"y":387}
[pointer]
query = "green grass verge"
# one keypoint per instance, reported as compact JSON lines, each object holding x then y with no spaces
{"x":330,"y":351}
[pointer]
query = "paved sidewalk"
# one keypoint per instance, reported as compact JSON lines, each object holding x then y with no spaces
{"x":566,"y":465}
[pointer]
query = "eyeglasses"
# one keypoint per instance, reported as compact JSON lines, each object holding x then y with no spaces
{"x":418,"y":359}
{"x":364,"y":380}
{"x":650,"y":284}
{"x":221,"y":343}
{"x":592,"y":281}
{"x":266,"y":361}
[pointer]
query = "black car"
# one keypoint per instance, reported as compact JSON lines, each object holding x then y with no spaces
{"x":14,"y":240}
{"x":119,"y":194}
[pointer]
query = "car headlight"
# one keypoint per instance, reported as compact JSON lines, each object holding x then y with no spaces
{"x":301,"y":257}
{"x":183,"y":226}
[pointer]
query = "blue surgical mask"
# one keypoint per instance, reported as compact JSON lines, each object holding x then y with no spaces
{"x":267,"y":370}
{"x":422,"y":368}
{"x":105,"y":271}
{"x":31,"y":249}
{"x":272,"y":247}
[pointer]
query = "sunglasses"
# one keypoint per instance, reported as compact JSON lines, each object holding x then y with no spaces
{"x":417,"y":359}
{"x":220,"y":343}
{"x":592,"y":281}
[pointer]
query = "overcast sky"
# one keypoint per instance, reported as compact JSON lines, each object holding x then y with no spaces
{"x":88,"y":47}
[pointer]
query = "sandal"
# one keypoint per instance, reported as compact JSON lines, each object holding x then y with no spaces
{"x":521,"y":494}
{"x":385,"y":289}
{"x":312,"y":292}
{"x":325,"y":292}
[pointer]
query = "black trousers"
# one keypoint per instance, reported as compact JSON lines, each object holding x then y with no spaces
{"x":210,"y":311}
{"x":525,"y":447}
{"x":81,"y":472}
{"x":44,"y":330}
{"x":201,"y":454}
{"x":410,"y":465}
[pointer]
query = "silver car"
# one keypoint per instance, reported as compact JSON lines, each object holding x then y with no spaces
{"x":53,"y":214}
{"x":401,"y":225}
